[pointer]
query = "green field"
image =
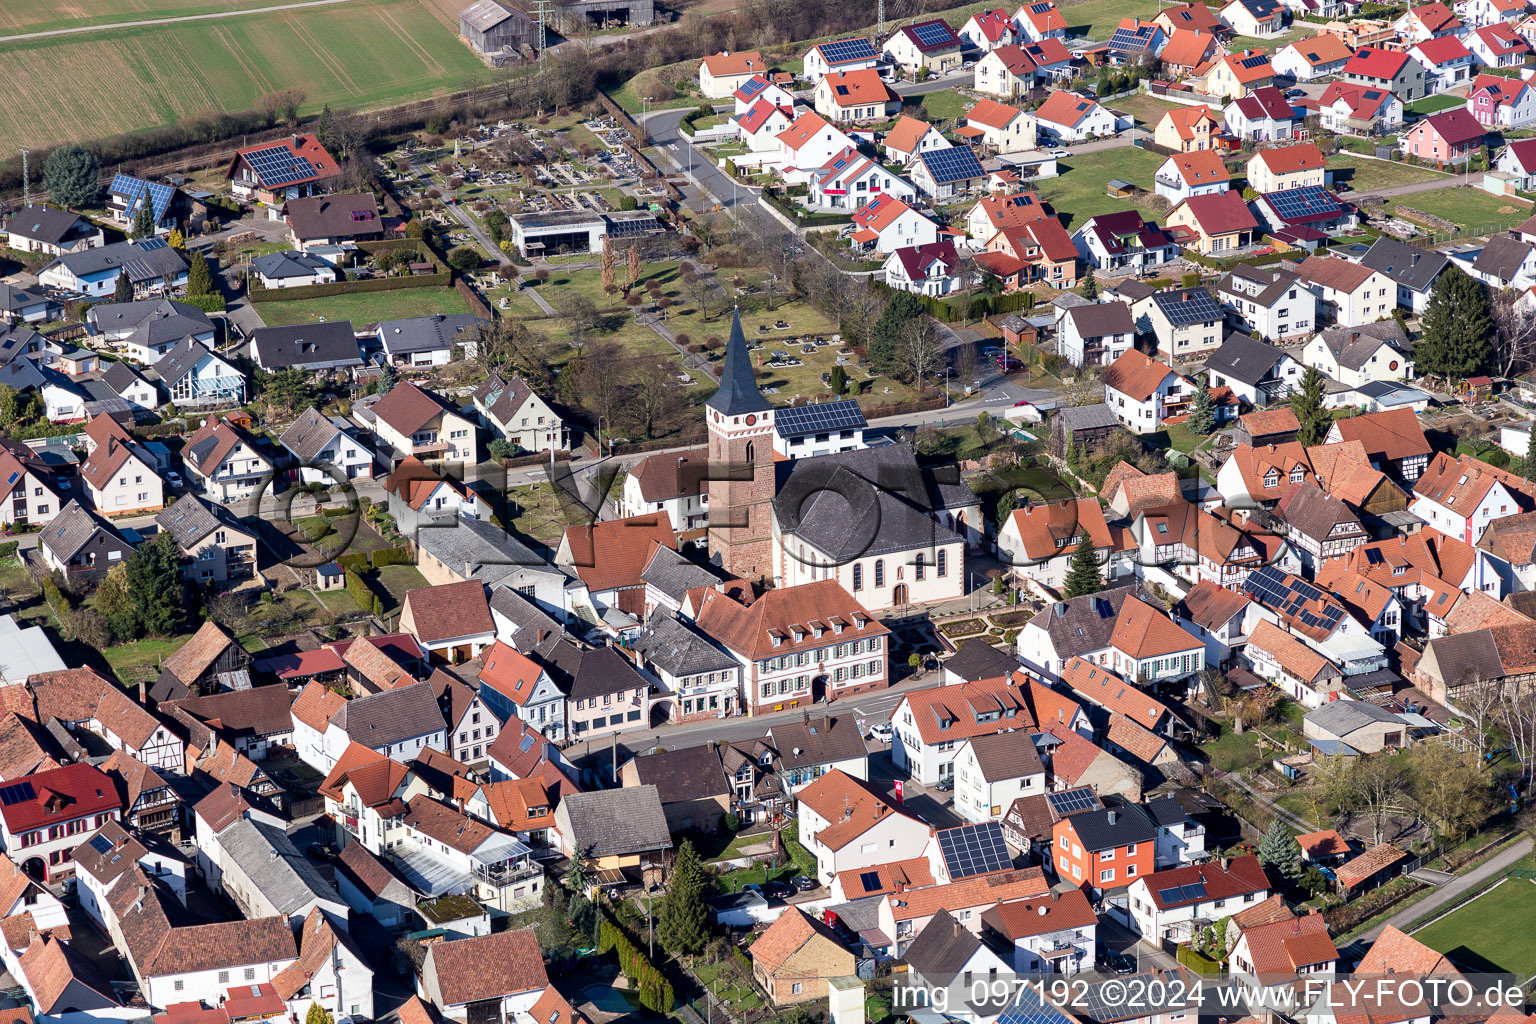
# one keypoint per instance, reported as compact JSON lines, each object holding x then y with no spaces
{"x":358,"y":54}
{"x":1145,"y":108}
{"x":21,"y":16}
{"x":1493,"y":932}
{"x":1364,"y":173}
{"x":1079,"y":192}
{"x":945,"y":105}
{"x":364,"y":307}
{"x":1433,"y":104}
{"x":1475,"y":210}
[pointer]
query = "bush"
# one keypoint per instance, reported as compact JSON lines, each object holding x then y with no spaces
{"x":1498,"y":457}
{"x":213,"y":303}
{"x":627,"y":202}
{"x":8,"y":550}
{"x":1191,"y":280}
{"x":464,"y":259}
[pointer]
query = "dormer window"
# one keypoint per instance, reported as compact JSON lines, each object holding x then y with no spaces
{"x":1399,"y":570}
{"x":1297,"y":475}
{"x":1271,"y":478}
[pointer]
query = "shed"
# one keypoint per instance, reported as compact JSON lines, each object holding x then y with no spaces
{"x":331,"y":576}
{"x":1117,"y":188}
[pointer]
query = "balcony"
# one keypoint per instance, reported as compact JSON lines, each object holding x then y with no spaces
{"x":506,"y":872}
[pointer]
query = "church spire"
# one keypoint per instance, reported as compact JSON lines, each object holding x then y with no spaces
{"x":738,"y":394}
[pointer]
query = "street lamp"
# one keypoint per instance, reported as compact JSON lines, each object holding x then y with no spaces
{"x":946,"y":387}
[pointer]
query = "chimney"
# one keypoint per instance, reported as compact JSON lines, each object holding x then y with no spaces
{"x":901,"y":885}
{"x":1226,"y":862}
{"x":1113,"y":817}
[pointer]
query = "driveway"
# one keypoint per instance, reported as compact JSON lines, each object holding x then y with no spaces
{"x":1451,"y":891}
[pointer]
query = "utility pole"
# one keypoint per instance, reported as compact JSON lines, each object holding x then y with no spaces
{"x":880,"y":19}
{"x":26,"y":178}
{"x":542,"y":11}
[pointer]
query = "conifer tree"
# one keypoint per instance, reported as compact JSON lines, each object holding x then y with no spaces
{"x":1202,"y":415}
{"x":683,"y":924}
{"x":1458,"y":322}
{"x":1313,"y":420}
{"x":122,"y":291}
{"x":1280,"y":850}
{"x":1083,"y":570}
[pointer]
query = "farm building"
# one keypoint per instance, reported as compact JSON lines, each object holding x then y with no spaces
{"x":493,"y":27}
{"x":543,"y":234}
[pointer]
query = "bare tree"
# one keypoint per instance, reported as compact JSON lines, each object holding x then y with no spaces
{"x":965,"y":362}
{"x":1516,"y":717}
{"x":920,"y":349}
{"x":1451,"y":787}
{"x":1514,"y":340}
{"x":1378,"y":784}
{"x":1478,"y":700}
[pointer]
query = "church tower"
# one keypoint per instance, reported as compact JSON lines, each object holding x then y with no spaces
{"x":741,"y":466}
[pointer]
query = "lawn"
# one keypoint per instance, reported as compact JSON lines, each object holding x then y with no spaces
{"x":1363,"y":173}
{"x":355,"y":55}
{"x":1493,"y":932}
{"x":588,"y":282}
{"x":140,"y":655}
{"x":1145,"y":108}
{"x":1432,"y":104}
{"x":1475,"y":210}
{"x":945,"y":105}
{"x":18,"y":16}
{"x":1079,"y":192}
{"x":536,"y":512}
{"x":1097,"y":18}
{"x":396,"y":581}
{"x":364,"y":307}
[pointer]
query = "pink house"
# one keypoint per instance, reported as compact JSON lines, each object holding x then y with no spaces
{"x":1501,"y":102}
{"x":1448,"y":137}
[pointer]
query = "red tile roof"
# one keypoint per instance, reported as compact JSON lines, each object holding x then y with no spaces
{"x":1221,"y":213}
{"x":448,"y":611}
{"x":1137,"y":374}
{"x":1382,"y":65}
{"x":60,"y":795}
{"x":611,"y":554}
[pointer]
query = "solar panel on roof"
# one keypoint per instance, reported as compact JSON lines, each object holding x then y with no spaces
{"x":1070,"y":801}
{"x":150,"y":244}
{"x":101,"y":844}
{"x":813,"y":419}
{"x":1030,"y":1008}
{"x":870,"y":880}
{"x":1253,"y":62}
{"x":1173,"y":895}
{"x":956,"y":163}
{"x":16,"y":793}
{"x":842,"y":51}
{"x":933,"y":33}
{"x":1189,"y":306}
{"x":279,"y":165}
{"x":1194,"y":892}
{"x":974,"y":850}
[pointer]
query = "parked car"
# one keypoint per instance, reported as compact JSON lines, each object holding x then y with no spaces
{"x":945,"y":784}
{"x":778,"y":890}
{"x":1110,"y":962}
{"x":881,"y":732}
{"x":173,"y":478}
{"x":803,"y":883}
{"x":1058,"y":153}
{"x":1007,"y":362}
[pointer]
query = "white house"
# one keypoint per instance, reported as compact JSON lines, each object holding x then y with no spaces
{"x":1197,"y":173}
{"x":144,"y":331}
{"x":991,"y":772}
{"x":850,"y":53}
{"x":397,"y":723}
{"x":1070,"y":117}
{"x":910,"y":136}
{"x":845,"y":825}
{"x":1460,"y":496}
{"x":1356,"y":356}
{"x":225,"y":461}
{"x":925,"y":269}
{"x":1314,"y":57}
{"x":886,"y":224}
{"x":1004,"y":128}
{"x":1272,"y":302}
{"x":520,"y":414}
{"x":194,"y":376}
{"x":847,"y":96}
{"x":292,"y":269}
{"x":1142,"y":392}
{"x":807,"y":144}
{"x":932,"y":723}
{"x":1052,"y":934}
{"x":1096,"y":334}
{"x":323,"y":448}
{"x":1040,"y":19}
{"x":987,"y":30}
{"x":1171,"y":905}
{"x":674,"y":484}
{"x":1038,"y":540}
{"x":1123,"y":241}
{"x":455,"y":978}
{"x":850,"y":180}
{"x":1348,"y":293}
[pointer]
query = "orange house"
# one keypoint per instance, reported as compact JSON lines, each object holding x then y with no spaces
{"x":1107,"y":848}
{"x":1038,"y":251}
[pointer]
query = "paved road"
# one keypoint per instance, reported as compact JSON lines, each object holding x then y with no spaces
{"x":1449,"y":892}
{"x":1451,"y":181}
{"x":167,"y":21}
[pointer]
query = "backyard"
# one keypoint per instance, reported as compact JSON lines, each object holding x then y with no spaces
{"x":1474,"y":210}
{"x":363,"y":307}
{"x":1492,"y":933}
{"x":1145,"y":108}
{"x":945,"y":105}
{"x":1081,"y":186}
{"x":1363,"y":173}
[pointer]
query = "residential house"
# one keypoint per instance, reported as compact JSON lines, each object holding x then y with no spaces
{"x":1052,"y":934}
{"x":435,"y":340}
{"x":520,"y":414}
{"x":1498,"y":46}
{"x":497,"y":977}
{"x":850,"y":180}
{"x":1448,"y":137}
{"x":1256,"y":371}
{"x":1003,"y":128}
{"x":947,"y":956}
{"x":1348,"y":294}
{"x":80,"y":545}
{"x":846,"y":826}
{"x":18,"y":305}
{"x":761,"y":126}
{"x":1356,"y":356}
{"x":987,"y":30}
{"x":1349,"y":109}
{"x":153,"y":269}
{"x":805,"y":750}
{"x":910,"y":136}
{"x":225,"y":461}
{"x":513,"y":685}
{"x":1187,"y":322}
{"x":1318,"y":525}
{"x":195,"y":377}
{"x":1388,"y":70}
{"x":1255,"y":17}
{"x":397,"y":723}
{"x":703,"y":679}
{"x":1186,"y":53}
{"x":260,"y":869}
{"x":1415,"y":271}
{"x":50,"y":230}
{"x":1134,"y":41}
{"x":1429,"y":21}
{"x":32,"y":495}
{"x":1192,"y":17}
{"x":415,"y":421}
{"x":796,"y":957}
{"x":1447,"y":61}
{"x":452,"y":620}
{"x":1360,"y":725}
{"x":862,"y":95}
{"x":798,"y":640}
{"x":1459,"y":496}
{"x":1067,"y":116}
{"x":1199,"y":173}
{"x":992,"y":214}
{"x":850,"y":53}
{"x":1172,"y":906}
{"x":932,"y":269}
{"x":1039,"y":540}
{"x":146,"y":330}
{"x":723,"y":73}
{"x":127,"y":384}
{"x":119,"y":475}
{"x":1264,"y":115}
{"x":1235,"y":75}
{"x":1124,"y":241}
{"x":991,"y":771}
{"x":1270,"y":302}
{"x":273,"y":172}
{"x":325,"y":450}
{"x":1096,"y":334}
{"x":1315,"y":57}
{"x":292,"y":269}
{"x":1187,"y":129}
{"x":332,"y":220}
{"x":318,"y":347}
{"x":1296,"y":667}
{"x":1215,"y":224}
{"x":886,"y":224}
{"x":929,"y":44}
{"x":1108,"y":848}
{"x":690,"y":782}
{"x":1501,"y":102}
{"x":608,"y":558}
{"x":1040,"y":20}
{"x":616,"y":829}
{"x":1505,"y":262}
{"x":1285,"y":948}
{"x":170,"y":206}
{"x":946,"y":173}
{"x":1037,"y":250}
{"x":1142,"y":392}
{"x":50,"y":813}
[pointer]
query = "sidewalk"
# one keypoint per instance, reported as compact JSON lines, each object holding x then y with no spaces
{"x":1450,"y":892}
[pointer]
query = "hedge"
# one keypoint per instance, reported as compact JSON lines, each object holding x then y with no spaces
{"x":392,"y":556}
{"x":1197,"y":962}
{"x":8,"y":550}
{"x":356,"y":562}
{"x":366,"y":599}
{"x":801,"y":216}
{"x":645,"y":978}
{"x":207,"y":303}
